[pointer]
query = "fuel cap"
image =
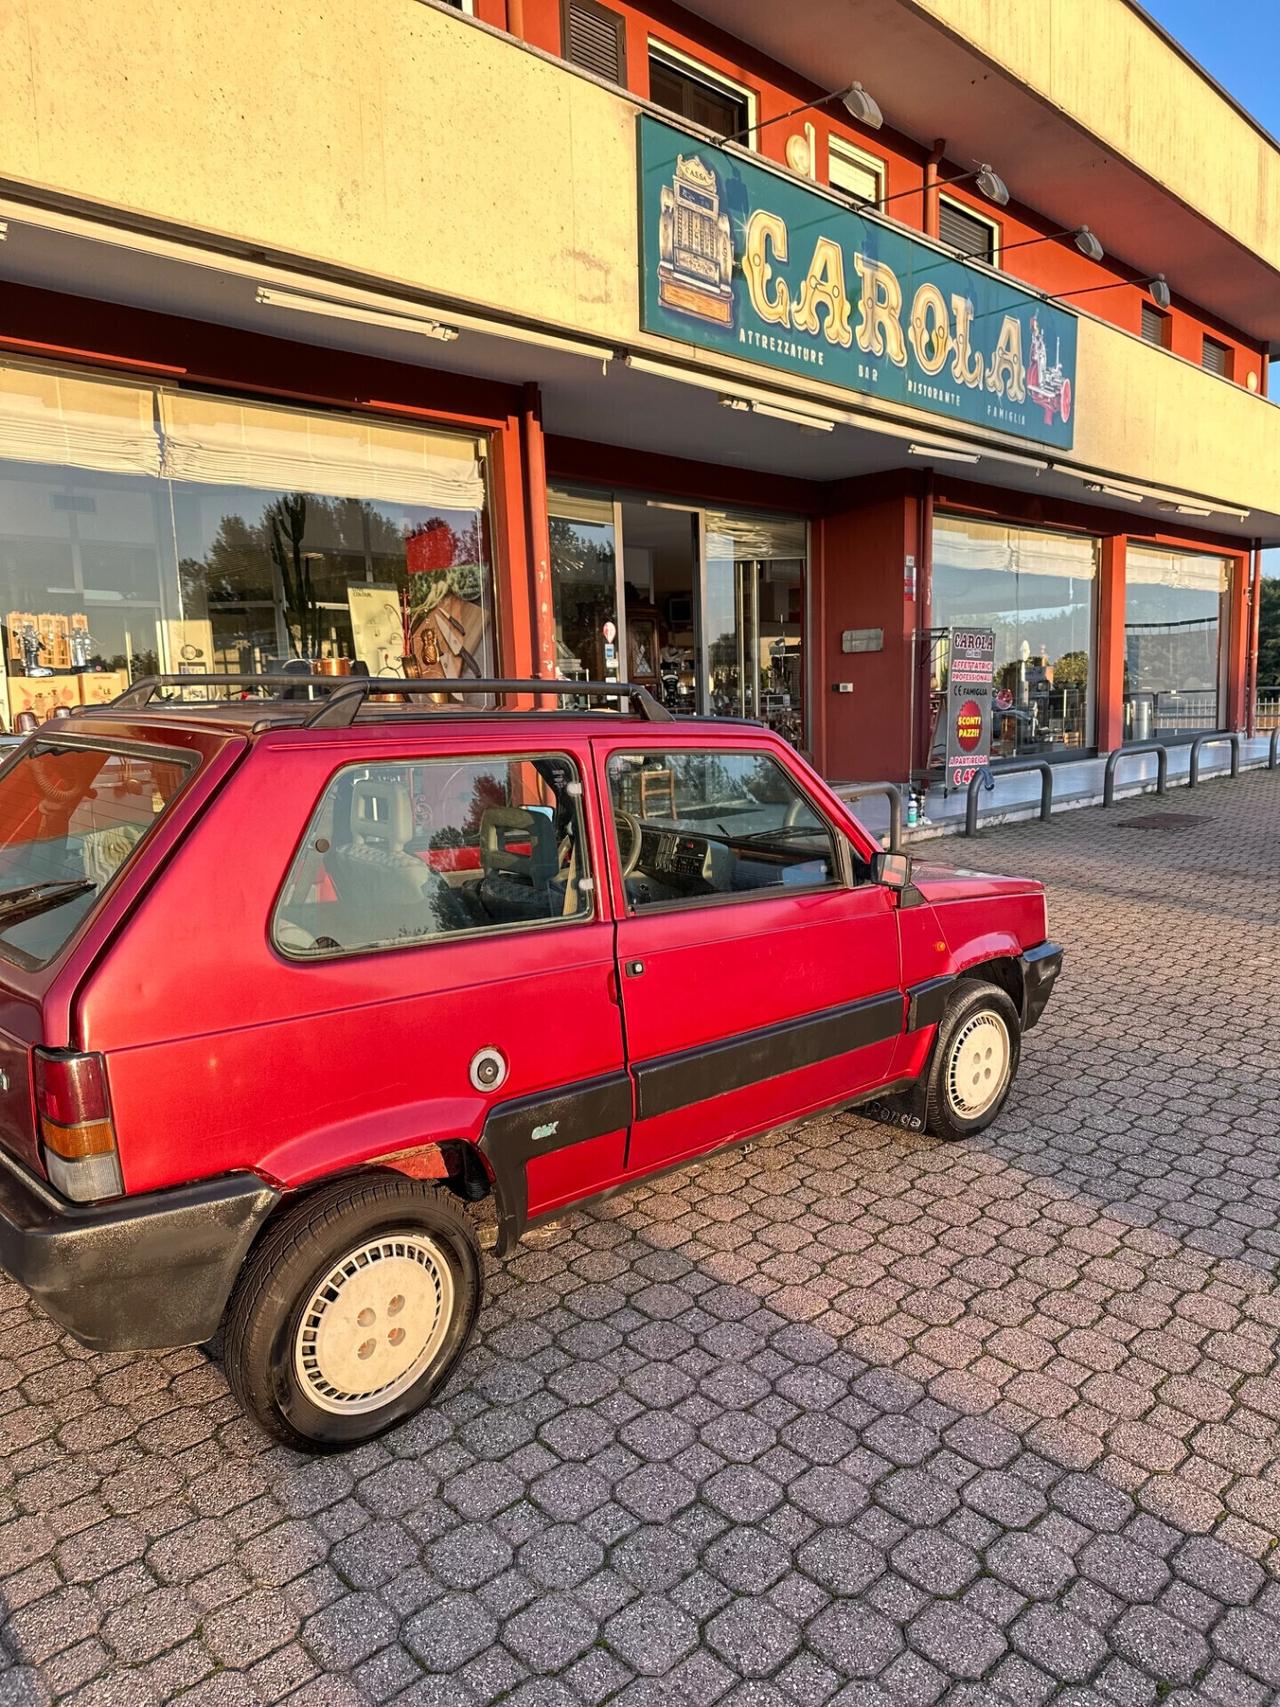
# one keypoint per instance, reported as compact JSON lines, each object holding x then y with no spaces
{"x":488,"y":1069}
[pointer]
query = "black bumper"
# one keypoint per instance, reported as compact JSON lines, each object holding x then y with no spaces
{"x":139,"y":1273}
{"x":1040,"y":969}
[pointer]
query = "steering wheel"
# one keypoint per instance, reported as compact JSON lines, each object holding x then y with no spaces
{"x":795,"y":812}
{"x":630,"y":841}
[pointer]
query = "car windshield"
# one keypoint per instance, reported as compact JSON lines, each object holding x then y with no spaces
{"x":69,"y":819}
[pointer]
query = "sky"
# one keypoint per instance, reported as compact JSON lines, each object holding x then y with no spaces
{"x":1238,"y":43}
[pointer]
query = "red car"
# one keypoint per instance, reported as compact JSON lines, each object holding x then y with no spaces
{"x":287,"y":984}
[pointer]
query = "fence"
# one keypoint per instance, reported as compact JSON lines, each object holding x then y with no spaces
{"x":1267,"y":709}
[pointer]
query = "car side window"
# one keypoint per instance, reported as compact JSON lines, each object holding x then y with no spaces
{"x":405,"y":853}
{"x":698,"y":825}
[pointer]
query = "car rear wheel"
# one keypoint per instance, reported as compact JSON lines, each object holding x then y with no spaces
{"x":974,"y":1060}
{"x":350,"y":1314}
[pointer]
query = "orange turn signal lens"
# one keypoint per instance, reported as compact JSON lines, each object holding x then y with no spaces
{"x":74,"y":1143}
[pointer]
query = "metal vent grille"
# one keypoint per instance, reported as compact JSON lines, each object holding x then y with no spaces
{"x":1153,"y":324}
{"x":1215,"y":357}
{"x":966,"y":231}
{"x":593,"y":39}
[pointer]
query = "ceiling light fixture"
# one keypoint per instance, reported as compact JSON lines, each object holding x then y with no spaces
{"x":860,"y":106}
{"x":796,"y":417}
{"x":328,"y":309}
{"x":943,"y":455}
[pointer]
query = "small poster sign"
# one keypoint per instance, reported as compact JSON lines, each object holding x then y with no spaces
{"x":970,"y":675}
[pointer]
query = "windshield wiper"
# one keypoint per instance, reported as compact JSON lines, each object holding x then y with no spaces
{"x":33,"y":898}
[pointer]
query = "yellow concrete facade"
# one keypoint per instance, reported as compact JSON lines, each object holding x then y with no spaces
{"x":1102,"y":65}
{"x":406,"y":144}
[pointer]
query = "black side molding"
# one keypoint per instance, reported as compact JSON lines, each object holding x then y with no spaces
{"x":926,"y":1001}
{"x":695,"y":1075}
{"x":535,"y":1125}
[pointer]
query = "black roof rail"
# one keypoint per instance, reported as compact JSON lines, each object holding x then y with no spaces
{"x":144,"y":690}
{"x":344,"y":695}
{"x":344,"y":702}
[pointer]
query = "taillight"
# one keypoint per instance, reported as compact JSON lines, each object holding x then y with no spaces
{"x":76,"y":1132}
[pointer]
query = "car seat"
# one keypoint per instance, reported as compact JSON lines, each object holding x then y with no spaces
{"x":384,"y":892}
{"x":517,"y":885}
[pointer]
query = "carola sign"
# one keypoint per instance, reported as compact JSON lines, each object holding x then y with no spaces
{"x":739,"y":259}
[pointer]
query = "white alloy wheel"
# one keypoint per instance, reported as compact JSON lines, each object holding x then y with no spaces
{"x":978,"y":1067}
{"x":374,"y":1323}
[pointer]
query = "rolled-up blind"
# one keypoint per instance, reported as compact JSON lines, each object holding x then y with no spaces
{"x":218,"y":441}
{"x":71,"y":421}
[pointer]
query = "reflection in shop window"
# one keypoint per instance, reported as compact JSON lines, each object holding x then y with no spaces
{"x":145,"y":530}
{"x":755,"y":619}
{"x":1035,"y":590}
{"x":1173,"y":626}
{"x":584,"y":587}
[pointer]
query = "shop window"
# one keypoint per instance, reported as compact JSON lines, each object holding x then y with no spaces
{"x":702,"y":96}
{"x":1036,"y":591}
{"x":595,"y":39}
{"x":1155,"y":326}
{"x":854,"y":172}
{"x":404,"y":854}
{"x":584,"y":587}
{"x":969,"y":233}
{"x":1215,"y":357}
{"x":703,"y":826}
{"x":754,"y":618}
{"x":1175,"y":617}
{"x":144,"y":529}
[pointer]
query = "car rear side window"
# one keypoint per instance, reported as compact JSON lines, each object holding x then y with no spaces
{"x":70,"y":818}
{"x":415,"y":852}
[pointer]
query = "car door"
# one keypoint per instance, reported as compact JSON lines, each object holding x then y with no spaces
{"x":760,"y":978}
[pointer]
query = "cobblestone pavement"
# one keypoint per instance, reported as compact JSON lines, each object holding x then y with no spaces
{"x":851,"y":1418}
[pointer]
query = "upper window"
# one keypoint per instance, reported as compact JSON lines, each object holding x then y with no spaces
{"x":968,"y":232}
{"x":853,"y":171}
{"x":595,"y":39}
{"x":1216,"y":357}
{"x":699,"y":825}
{"x":703,"y":97}
{"x":398,"y":854}
{"x":1155,"y":325}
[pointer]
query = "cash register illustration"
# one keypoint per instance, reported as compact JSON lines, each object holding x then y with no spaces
{"x":695,"y":245}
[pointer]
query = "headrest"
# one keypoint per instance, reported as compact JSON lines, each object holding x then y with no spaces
{"x":502,"y":824}
{"x":381,"y":812}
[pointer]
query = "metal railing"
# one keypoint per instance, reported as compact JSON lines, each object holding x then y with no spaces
{"x":982,"y":777}
{"x":892,"y":793}
{"x":1114,"y":757}
{"x":1231,"y":739}
{"x":1266,"y":709}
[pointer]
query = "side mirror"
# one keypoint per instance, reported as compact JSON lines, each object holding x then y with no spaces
{"x":893,"y":870}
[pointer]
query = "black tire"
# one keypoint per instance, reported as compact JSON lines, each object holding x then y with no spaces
{"x":273,"y":1357}
{"x":971,"y":1000}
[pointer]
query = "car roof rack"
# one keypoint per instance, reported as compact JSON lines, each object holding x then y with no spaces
{"x":345,"y":695}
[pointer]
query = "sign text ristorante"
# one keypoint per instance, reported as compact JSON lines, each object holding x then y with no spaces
{"x":740,"y":259}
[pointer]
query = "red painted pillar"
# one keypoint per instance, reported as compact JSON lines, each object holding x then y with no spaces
{"x":1239,"y":635}
{"x":1109,"y":661}
{"x":542,"y":614}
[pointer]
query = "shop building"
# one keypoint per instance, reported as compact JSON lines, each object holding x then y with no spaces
{"x":483,"y":344}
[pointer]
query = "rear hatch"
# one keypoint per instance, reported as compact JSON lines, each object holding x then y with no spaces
{"x":75,"y":812}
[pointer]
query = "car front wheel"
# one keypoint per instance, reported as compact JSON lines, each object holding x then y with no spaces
{"x":351,"y":1312}
{"x":974,"y":1060}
